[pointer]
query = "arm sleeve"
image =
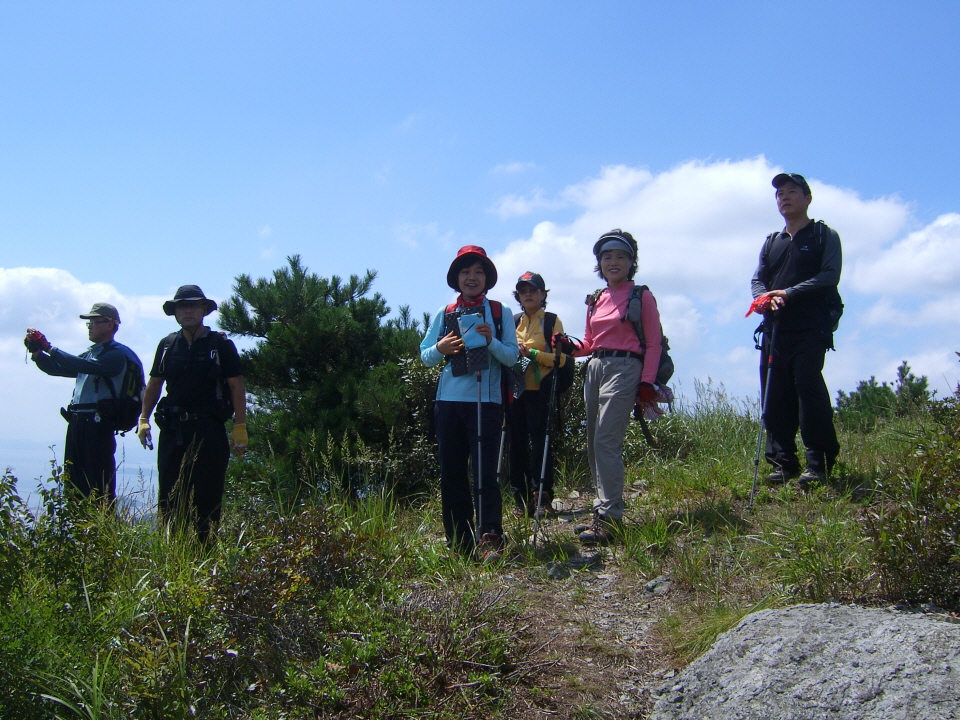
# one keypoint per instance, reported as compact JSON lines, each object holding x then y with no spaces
{"x":155,"y":370}
{"x":587,"y":346}
{"x":230,"y":359}
{"x":830,"y":266}
{"x":652,"y":336}
{"x":428,"y":346}
{"x":50,"y":366}
{"x":111,"y":361}
{"x":548,"y":358}
{"x":758,"y":284}
{"x":504,"y":349}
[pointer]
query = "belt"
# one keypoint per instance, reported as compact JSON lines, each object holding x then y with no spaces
{"x":183,"y":416}
{"x":73,"y":416}
{"x":617,"y":353}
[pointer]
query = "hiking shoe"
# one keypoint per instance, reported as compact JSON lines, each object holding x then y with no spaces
{"x":781,"y":476}
{"x":544,"y":506}
{"x":811,"y":477}
{"x":490,"y":548}
{"x":601,"y":530}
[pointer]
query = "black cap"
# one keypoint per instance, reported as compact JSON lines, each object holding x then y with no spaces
{"x":532,"y":278}
{"x":185,"y":293}
{"x":783,"y":178}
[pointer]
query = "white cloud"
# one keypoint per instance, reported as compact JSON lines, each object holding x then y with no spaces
{"x":512,"y":168}
{"x":926,"y":261}
{"x":265,"y":232}
{"x":700,"y":226}
{"x":516,"y":205}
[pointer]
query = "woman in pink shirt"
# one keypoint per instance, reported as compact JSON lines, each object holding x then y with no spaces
{"x":617,"y":369}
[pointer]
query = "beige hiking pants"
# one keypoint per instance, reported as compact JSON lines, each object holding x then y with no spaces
{"x":609,"y":392}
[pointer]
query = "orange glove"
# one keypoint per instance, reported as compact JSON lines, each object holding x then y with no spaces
{"x":239,"y":439}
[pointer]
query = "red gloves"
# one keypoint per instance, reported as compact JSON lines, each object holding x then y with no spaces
{"x":759,"y":306}
{"x":646,"y":394}
{"x":35,"y":341}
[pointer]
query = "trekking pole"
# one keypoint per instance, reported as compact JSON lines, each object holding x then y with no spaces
{"x":503,"y":443}
{"x":546,"y":442}
{"x":479,"y":463}
{"x":763,"y":408}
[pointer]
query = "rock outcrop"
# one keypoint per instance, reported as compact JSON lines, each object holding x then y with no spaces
{"x":823,"y":661}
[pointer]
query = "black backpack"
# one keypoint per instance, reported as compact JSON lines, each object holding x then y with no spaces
{"x":122,"y":411}
{"x":666,"y":368}
{"x":567,"y":371}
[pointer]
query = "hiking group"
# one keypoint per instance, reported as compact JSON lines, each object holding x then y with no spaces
{"x":500,"y":380}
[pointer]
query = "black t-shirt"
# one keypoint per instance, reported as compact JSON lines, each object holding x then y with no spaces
{"x":193,"y":372}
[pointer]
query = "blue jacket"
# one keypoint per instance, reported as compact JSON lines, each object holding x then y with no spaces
{"x":95,"y":369}
{"x":503,"y":351}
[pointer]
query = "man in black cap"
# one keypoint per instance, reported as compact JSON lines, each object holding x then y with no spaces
{"x":799,"y":271}
{"x":88,"y":453}
{"x":201,"y":368}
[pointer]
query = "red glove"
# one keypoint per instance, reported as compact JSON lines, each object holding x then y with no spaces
{"x":759,"y":306}
{"x":35,"y":341}
{"x":646,"y":394}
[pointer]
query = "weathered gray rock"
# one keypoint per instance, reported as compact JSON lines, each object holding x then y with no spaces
{"x":822,"y":661}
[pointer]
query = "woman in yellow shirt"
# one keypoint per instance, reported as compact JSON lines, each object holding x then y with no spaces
{"x":527,"y":414}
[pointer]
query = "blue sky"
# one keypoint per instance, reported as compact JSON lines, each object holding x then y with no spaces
{"x":148,"y":145}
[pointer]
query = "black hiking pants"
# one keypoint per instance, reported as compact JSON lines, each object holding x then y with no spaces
{"x":528,"y":433}
{"x":456,"y":424}
{"x":88,"y":456}
{"x":799,"y":399}
{"x":192,"y":459}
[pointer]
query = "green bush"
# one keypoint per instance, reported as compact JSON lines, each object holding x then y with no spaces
{"x":914,"y":525}
{"x":872,"y":402}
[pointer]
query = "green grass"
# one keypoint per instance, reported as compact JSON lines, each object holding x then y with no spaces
{"x":347,"y":604}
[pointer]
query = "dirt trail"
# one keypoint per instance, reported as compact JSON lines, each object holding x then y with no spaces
{"x":596,"y":655}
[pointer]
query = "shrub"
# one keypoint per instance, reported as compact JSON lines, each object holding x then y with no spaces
{"x":914,"y":526}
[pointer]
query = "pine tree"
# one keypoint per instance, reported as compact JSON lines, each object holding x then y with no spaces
{"x":325,"y":362}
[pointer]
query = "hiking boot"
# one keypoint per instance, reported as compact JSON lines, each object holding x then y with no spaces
{"x":811,"y":477}
{"x":601,"y":530}
{"x":490,"y":548}
{"x":542,"y":507}
{"x":781,"y":476}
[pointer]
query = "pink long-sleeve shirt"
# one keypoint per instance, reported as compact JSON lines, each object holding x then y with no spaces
{"x":606,"y":331}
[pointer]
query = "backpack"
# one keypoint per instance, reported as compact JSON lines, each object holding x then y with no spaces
{"x":833,"y":303}
{"x":224,"y":395}
{"x":665,"y":368}
{"x":122,"y":411}
{"x":567,"y":371}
